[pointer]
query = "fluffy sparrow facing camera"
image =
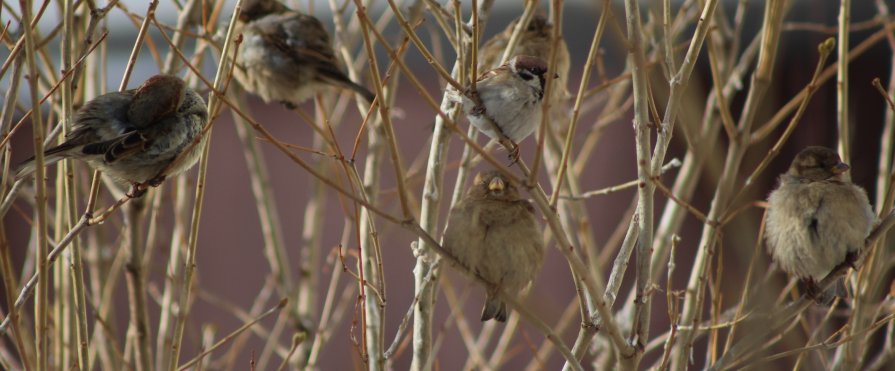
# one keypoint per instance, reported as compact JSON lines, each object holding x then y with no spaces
{"x":492,"y":231}
{"x":534,"y":40}
{"x":510,"y":99}
{"x":135,"y":135}
{"x":286,"y":56}
{"x":816,"y":219}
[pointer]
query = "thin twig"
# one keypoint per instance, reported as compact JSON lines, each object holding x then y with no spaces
{"x":233,"y":334}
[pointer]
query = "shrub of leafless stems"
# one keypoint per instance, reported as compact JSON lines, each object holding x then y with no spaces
{"x":73,"y":248}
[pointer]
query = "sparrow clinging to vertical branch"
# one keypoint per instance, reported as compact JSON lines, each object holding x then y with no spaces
{"x":508,"y":104}
{"x":816,"y":219}
{"x":287,"y":56}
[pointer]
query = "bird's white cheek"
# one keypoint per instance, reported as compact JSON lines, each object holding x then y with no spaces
{"x":254,"y":47}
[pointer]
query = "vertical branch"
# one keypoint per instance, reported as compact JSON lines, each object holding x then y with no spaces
{"x":842,"y":83}
{"x":550,"y":83}
{"x":367,"y":266}
{"x":71,"y":192}
{"x":173,"y":273}
{"x":645,"y":192}
{"x":66,"y":216}
{"x":138,"y":329}
{"x":41,"y":306}
{"x":887,"y":140}
{"x":380,"y":135}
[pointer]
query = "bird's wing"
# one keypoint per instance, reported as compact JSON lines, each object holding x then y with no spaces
{"x":118,"y":148}
{"x":303,"y":39}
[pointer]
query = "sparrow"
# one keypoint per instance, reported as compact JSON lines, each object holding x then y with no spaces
{"x":510,"y":98}
{"x":816,"y":219}
{"x":134,"y":136}
{"x":492,"y":231}
{"x":286,"y":56}
{"x":534,"y":40}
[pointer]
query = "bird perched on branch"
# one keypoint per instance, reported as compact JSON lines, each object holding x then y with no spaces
{"x":816,"y":219}
{"x":135,"y":136}
{"x":535,"y":40}
{"x":505,"y":102}
{"x":492,"y":232}
{"x":286,"y":56}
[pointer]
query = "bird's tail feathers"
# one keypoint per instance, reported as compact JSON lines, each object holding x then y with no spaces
{"x":332,"y":74}
{"x":28,"y":167}
{"x":494,"y":309}
{"x":364,"y":92}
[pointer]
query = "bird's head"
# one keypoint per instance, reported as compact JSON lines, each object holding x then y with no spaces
{"x":816,"y":164}
{"x":255,"y":9}
{"x":493,"y":185}
{"x":540,"y":25}
{"x":530,"y":69}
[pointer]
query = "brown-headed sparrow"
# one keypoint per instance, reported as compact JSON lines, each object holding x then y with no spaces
{"x":286,"y":56}
{"x":816,"y":219}
{"x":510,"y":98}
{"x":534,"y":40}
{"x":135,"y":135}
{"x":492,"y":231}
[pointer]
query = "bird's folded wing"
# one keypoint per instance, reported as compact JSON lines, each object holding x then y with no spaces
{"x":118,"y":148}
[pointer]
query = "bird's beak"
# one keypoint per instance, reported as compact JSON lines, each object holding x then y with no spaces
{"x":496,"y":185}
{"x":840,"y":168}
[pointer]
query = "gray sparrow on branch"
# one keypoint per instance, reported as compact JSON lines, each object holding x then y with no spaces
{"x":534,"y":40}
{"x":506,"y":101}
{"x":816,"y":219}
{"x":492,"y":231}
{"x":286,"y":56}
{"x":135,"y":136}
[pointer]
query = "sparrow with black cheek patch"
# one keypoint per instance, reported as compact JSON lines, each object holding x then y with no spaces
{"x":510,"y":98}
{"x":286,"y":56}
{"x":816,"y":219}
{"x":134,"y":136}
{"x":534,"y":40}
{"x":492,"y":231}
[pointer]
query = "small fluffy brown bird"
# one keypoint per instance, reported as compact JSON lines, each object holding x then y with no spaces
{"x":493,"y":232}
{"x":534,"y":40}
{"x":816,"y":219}
{"x":133,"y":136}
{"x":286,"y":56}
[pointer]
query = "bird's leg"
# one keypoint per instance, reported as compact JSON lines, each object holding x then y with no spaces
{"x":137,"y":190}
{"x":511,"y":147}
{"x":157,"y":181}
{"x":812,"y":290}
{"x":851,"y":258}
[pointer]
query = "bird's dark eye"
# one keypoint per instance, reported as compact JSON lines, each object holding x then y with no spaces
{"x":525,"y":75}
